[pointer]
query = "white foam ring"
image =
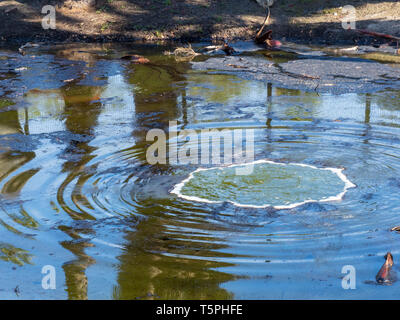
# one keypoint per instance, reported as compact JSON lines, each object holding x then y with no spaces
{"x":338,"y":171}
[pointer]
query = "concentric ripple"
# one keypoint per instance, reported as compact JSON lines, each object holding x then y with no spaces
{"x":77,"y":192}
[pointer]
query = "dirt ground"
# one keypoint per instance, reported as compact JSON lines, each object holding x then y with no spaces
{"x":189,"y":20}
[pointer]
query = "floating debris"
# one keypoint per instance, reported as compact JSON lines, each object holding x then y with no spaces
{"x":228,"y":49}
{"x":355,"y":48}
{"x":219,"y":49}
{"x":17,"y":291}
{"x":183,"y":53}
{"x":236,"y":66}
{"x":27,"y":45}
{"x":343,"y":50}
{"x":385,"y":274}
{"x":136,"y":59}
{"x":21,"y":69}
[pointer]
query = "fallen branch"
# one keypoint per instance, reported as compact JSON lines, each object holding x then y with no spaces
{"x":224,"y":47}
{"x":377,"y":34}
{"x":266,"y":38}
{"x":259,"y":37}
{"x":306,"y":76}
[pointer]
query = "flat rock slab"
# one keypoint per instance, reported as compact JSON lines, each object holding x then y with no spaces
{"x":315,"y":73}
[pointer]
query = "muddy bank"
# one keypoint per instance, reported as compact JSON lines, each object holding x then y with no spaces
{"x":320,"y":69}
{"x":194,"y":20}
{"x":312,"y":71}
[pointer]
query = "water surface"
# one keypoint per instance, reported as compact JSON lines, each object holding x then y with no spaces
{"x":77,"y":193}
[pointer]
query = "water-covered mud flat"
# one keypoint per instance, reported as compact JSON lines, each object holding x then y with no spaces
{"x":77,"y":193}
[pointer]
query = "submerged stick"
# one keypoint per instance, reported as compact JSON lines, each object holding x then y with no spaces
{"x":136,"y":59}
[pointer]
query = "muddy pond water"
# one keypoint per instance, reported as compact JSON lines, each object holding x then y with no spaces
{"x":78,"y":194}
